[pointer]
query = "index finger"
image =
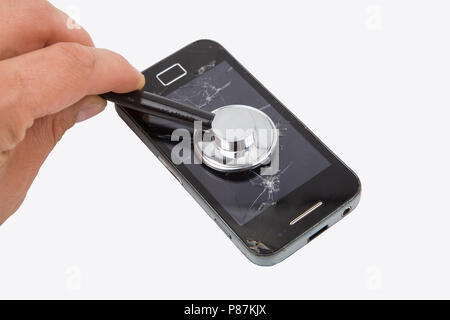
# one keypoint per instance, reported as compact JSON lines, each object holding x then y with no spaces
{"x":48,"y":80}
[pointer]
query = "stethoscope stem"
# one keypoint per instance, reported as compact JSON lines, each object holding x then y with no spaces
{"x":243,"y":138}
{"x":162,"y":107}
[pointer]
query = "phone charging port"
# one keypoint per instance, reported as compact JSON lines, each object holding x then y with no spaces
{"x":346,"y":212}
{"x":315,"y":235}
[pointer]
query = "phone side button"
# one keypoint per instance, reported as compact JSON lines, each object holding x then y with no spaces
{"x":168,"y":167}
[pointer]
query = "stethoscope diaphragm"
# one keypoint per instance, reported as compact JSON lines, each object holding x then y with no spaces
{"x":241,"y":138}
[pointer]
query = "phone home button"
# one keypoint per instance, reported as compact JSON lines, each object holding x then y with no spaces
{"x":305,"y":213}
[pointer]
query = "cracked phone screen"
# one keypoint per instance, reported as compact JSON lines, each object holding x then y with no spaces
{"x":246,"y":195}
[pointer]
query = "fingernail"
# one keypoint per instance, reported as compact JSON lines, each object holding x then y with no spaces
{"x":92,"y":106}
{"x":141,"y":82}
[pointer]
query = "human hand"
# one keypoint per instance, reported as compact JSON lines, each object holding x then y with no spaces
{"x":49,"y":78}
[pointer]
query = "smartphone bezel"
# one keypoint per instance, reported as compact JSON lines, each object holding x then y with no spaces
{"x":335,"y":186}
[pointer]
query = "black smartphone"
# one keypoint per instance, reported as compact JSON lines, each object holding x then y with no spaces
{"x":268,"y":217}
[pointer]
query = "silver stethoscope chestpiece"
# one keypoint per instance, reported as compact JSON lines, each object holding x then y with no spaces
{"x":241,"y":138}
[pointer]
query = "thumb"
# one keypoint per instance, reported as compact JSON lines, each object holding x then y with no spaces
{"x":88,"y":108}
{"x":21,"y":164}
{"x":84,"y":109}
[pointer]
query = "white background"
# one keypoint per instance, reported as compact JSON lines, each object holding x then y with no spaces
{"x":104,"y":219}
